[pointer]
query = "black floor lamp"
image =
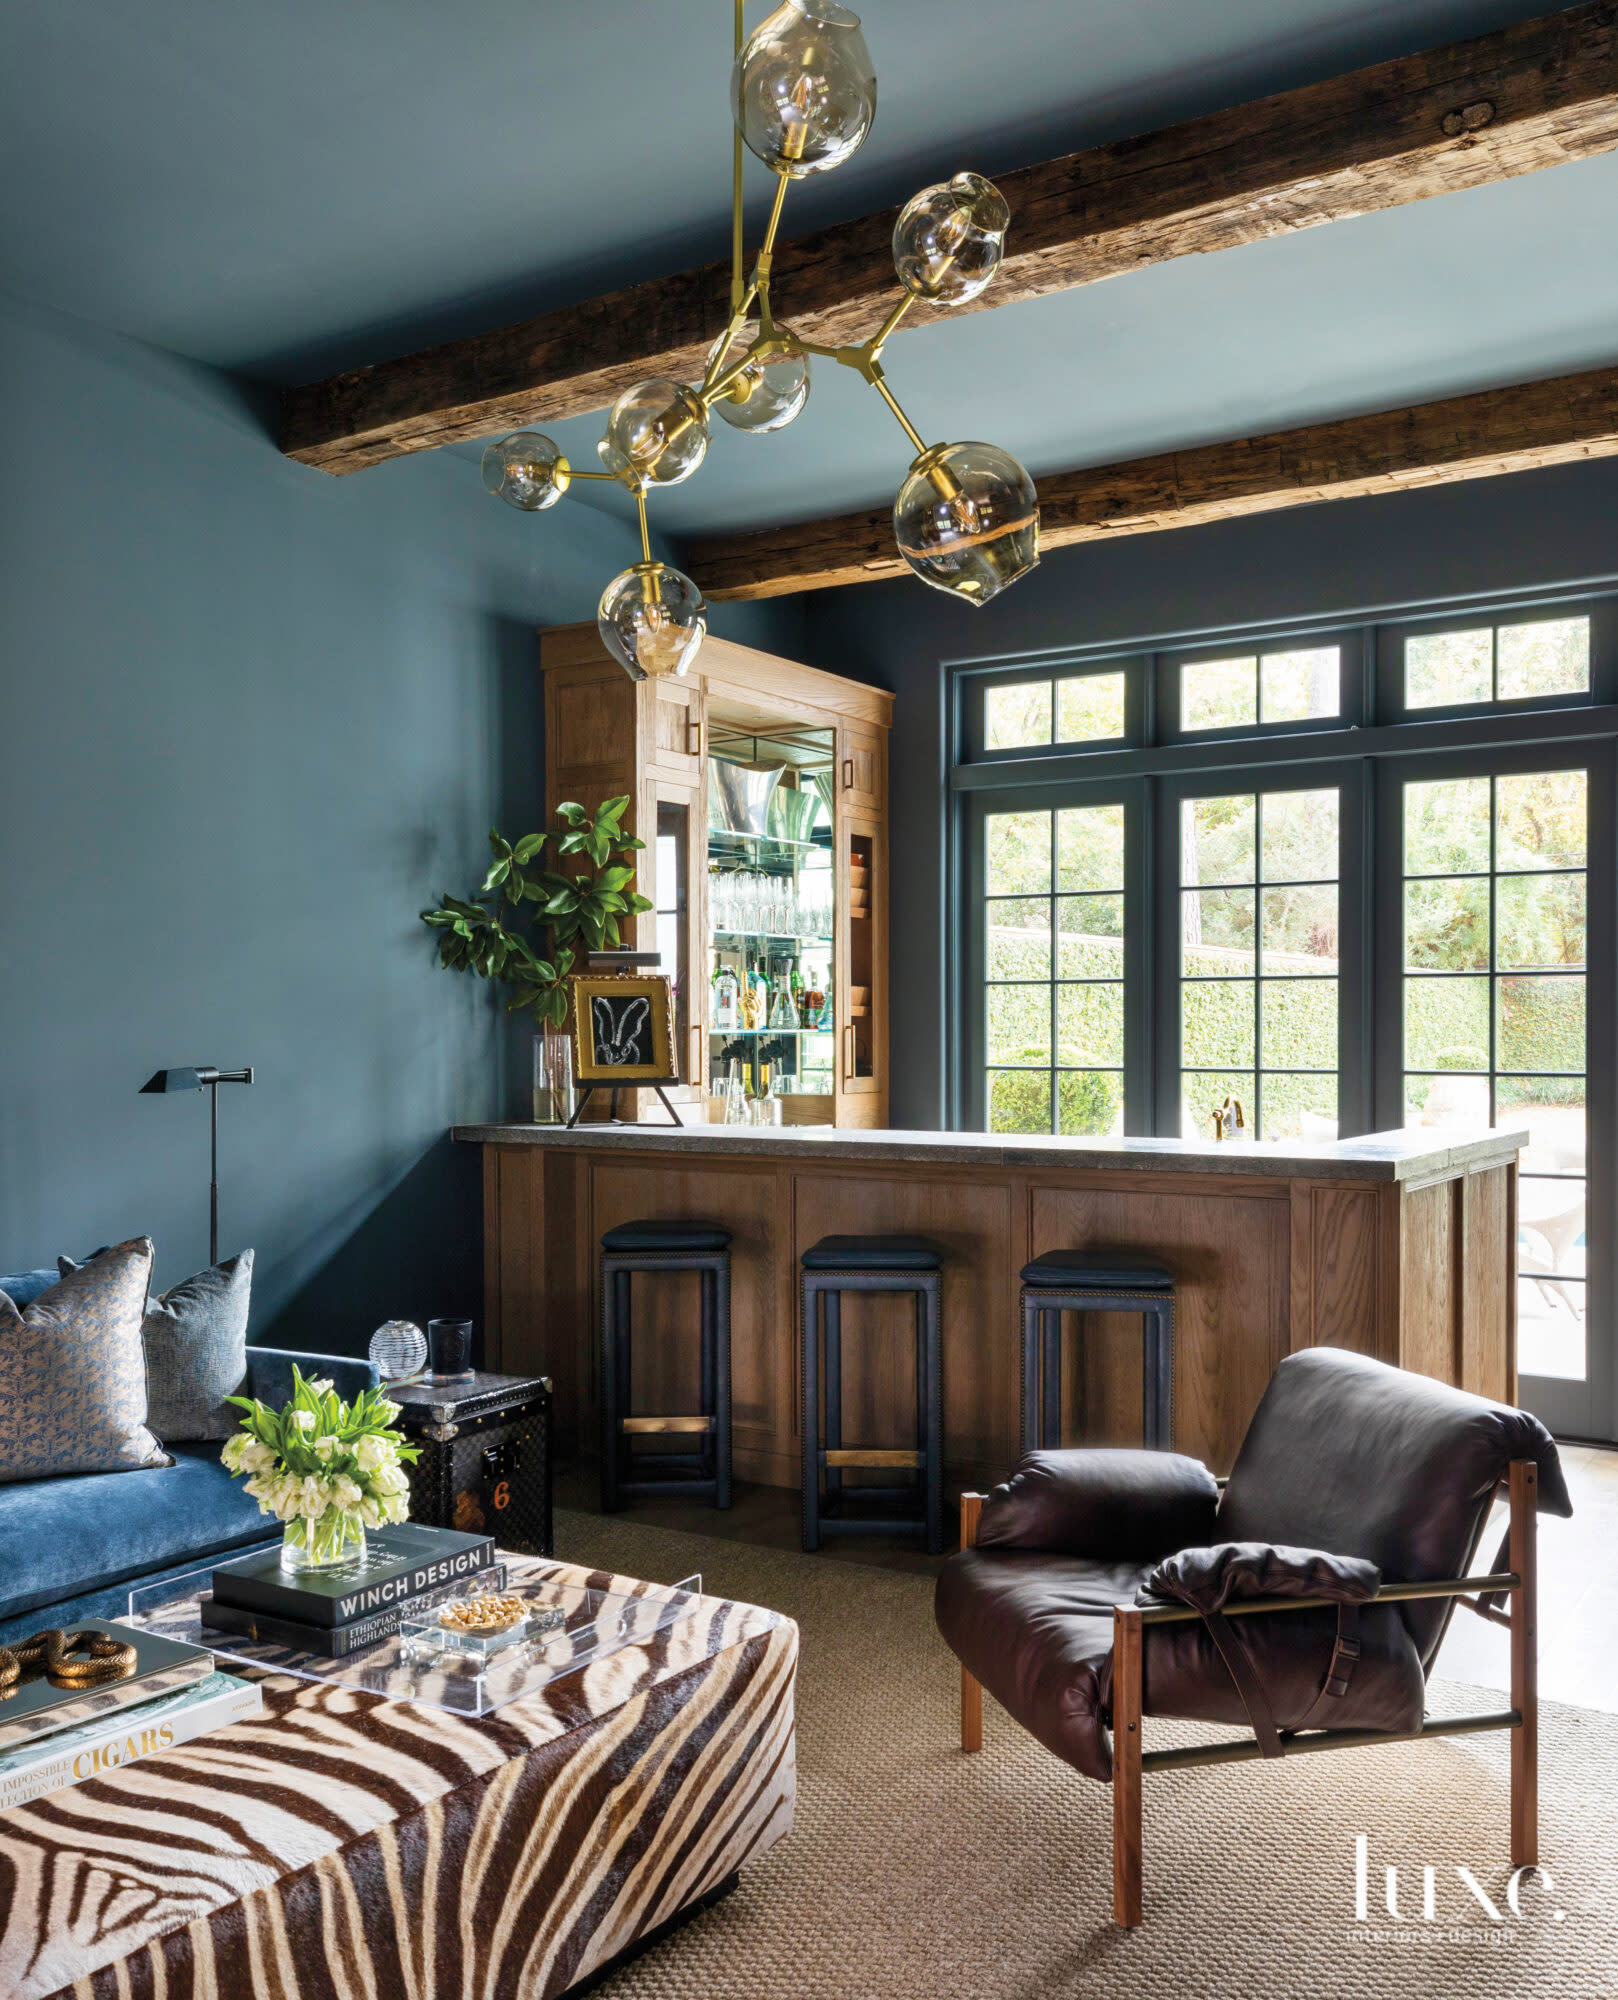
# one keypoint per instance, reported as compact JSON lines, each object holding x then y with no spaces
{"x":208,"y":1080}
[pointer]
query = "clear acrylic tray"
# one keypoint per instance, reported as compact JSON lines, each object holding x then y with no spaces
{"x":564,"y":1626}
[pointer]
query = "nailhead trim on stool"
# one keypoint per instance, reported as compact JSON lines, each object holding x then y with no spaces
{"x":623,"y":1472}
{"x":1106,"y":1283}
{"x":892,"y":1265}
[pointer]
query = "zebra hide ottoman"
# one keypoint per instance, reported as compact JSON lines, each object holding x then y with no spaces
{"x":347,"y":1847}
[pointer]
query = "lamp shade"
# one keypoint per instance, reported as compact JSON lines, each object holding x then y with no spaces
{"x":526,"y":470}
{"x":652,"y":619}
{"x":948,"y":241}
{"x":967,"y":520}
{"x":769,"y":392}
{"x":171,"y":1079}
{"x":657,"y":434}
{"x":803,"y":91}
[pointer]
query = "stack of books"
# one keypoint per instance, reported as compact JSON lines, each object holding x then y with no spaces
{"x":335,"y":1615}
{"x":53,"y":1736}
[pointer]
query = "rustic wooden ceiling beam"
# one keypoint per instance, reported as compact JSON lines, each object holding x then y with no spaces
{"x":1530,"y":96}
{"x":1467,"y":437}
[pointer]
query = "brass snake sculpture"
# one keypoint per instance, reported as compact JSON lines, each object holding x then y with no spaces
{"x":68,"y":1659}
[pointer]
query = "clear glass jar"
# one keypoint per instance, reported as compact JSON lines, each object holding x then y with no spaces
{"x":334,"y":1543}
{"x":553,"y":1079}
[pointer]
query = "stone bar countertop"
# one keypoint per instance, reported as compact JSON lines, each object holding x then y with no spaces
{"x":1380,"y":1156}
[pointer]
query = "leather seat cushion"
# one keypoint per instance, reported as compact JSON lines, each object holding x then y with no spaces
{"x":1119,"y":1270}
{"x":667,"y":1236}
{"x":1036,"y":1630}
{"x":872,"y":1253}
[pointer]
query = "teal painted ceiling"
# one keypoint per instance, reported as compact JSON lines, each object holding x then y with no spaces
{"x":284,"y":188}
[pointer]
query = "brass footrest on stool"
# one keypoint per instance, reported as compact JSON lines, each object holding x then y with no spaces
{"x":656,"y":1426}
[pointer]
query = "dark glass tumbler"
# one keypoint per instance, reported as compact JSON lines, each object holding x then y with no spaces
{"x":449,"y":1348}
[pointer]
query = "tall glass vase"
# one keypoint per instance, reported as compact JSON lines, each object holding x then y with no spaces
{"x":553,"y":1078}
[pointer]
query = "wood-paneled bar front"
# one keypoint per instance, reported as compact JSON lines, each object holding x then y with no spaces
{"x":1399,"y":1246}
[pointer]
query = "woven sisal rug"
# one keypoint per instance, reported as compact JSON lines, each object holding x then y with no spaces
{"x":916,"y":1873}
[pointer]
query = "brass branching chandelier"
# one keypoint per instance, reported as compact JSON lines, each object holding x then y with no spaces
{"x":803,"y":97}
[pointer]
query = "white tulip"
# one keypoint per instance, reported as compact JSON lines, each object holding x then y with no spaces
{"x":324,"y":1447}
{"x":390,"y":1479}
{"x":370,"y":1511}
{"x":301,"y":1420}
{"x":373,"y":1451}
{"x":255,"y":1456}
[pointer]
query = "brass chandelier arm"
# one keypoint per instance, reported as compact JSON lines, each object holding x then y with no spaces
{"x":736,"y":284}
{"x":876,"y":381}
{"x":645,"y":536}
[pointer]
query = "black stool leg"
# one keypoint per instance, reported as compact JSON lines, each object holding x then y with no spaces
{"x":610,"y":1414}
{"x":708,"y":1394}
{"x":721,"y":1285}
{"x":832,"y":1312}
{"x":1157,"y":1389}
{"x":1050,"y":1426}
{"x":934,"y":1409}
{"x":811,"y":1416}
{"x":1028,"y":1430}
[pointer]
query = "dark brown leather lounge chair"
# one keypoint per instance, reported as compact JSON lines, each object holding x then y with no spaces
{"x":1307,"y":1600}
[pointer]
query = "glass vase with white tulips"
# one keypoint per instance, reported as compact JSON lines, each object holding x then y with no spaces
{"x":325,"y":1468}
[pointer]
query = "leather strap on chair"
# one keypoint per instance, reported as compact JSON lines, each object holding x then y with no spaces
{"x":1248,"y":1685}
{"x":1345,"y":1654}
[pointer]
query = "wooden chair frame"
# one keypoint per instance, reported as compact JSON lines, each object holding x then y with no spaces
{"x":1130,"y":1761}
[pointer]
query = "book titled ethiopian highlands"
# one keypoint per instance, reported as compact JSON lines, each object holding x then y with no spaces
{"x":73,"y":1756}
{"x":38,"y":1707}
{"x":400,"y":1563}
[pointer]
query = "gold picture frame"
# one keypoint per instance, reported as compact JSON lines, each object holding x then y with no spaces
{"x":621,"y":1029}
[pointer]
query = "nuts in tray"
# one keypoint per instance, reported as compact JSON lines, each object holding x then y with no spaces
{"x":481,"y":1617}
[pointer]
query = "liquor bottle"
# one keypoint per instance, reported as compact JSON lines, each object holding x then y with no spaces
{"x":727,"y":993}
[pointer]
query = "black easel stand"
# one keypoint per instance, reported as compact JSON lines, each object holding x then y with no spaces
{"x":641,"y":1083}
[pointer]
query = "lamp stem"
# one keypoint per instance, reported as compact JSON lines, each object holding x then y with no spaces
{"x":736,"y":282}
{"x":213,"y":1175}
{"x":645,"y":536}
{"x":889,"y":398}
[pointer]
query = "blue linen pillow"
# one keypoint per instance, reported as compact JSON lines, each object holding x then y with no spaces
{"x":196,"y":1350}
{"x":23,"y":1287}
{"x":73,"y":1372}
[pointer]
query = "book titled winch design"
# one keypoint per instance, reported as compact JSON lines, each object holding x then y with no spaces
{"x":400,"y":1563}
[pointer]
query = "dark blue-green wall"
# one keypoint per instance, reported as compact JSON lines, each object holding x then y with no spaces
{"x":252,"y":719}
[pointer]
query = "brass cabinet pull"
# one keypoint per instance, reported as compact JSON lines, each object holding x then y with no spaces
{"x":693,"y":738}
{"x":848,"y":774}
{"x":848,"y":1053}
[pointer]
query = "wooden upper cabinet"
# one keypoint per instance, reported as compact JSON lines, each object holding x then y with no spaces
{"x":606,"y":734}
{"x":675,"y":727}
{"x":862,"y":767}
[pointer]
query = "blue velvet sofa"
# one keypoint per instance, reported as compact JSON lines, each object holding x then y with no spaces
{"x":73,"y":1547}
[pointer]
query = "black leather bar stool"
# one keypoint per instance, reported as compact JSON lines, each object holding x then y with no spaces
{"x":643,"y":1249}
{"x":1095,"y":1281}
{"x":839,"y":1264}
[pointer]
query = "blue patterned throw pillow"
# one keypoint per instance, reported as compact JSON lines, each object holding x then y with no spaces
{"x":196,"y":1350}
{"x":73,"y":1374}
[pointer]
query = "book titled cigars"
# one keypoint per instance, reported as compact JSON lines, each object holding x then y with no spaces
{"x":400,"y":1563}
{"x":93,"y":1750}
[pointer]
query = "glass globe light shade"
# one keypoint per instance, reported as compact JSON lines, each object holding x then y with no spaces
{"x":657,"y":434}
{"x":803,"y":92}
{"x":967,"y":520}
{"x":770,"y":392}
{"x":948,"y":241}
{"x":526,"y":470}
{"x":652,"y":619}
